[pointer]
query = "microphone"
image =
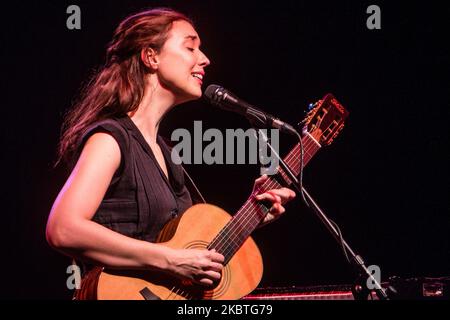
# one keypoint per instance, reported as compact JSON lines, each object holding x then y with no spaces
{"x":224,"y":99}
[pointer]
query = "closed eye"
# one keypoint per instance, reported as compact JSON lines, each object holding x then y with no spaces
{"x":191,"y":49}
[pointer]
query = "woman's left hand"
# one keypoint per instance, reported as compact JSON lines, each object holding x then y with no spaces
{"x":277,"y":197}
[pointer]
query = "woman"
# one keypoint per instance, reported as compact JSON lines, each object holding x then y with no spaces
{"x":123,"y":187}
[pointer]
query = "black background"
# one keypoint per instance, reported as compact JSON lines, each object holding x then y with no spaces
{"x":384,"y":180}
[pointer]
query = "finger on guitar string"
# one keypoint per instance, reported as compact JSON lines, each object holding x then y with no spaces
{"x":269,"y":195}
{"x":214,"y":266}
{"x":281,"y":195}
{"x":277,"y":209}
{"x":213,"y":275}
{"x":216,"y":257}
{"x":259,"y":181}
{"x":207,"y":278}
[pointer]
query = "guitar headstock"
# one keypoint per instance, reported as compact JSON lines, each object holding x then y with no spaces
{"x":325,"y":119}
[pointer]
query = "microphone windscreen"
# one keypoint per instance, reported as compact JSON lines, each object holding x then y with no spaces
{"x":210,"y":91}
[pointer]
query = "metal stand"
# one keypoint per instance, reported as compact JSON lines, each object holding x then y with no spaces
{"x":361,"y":290}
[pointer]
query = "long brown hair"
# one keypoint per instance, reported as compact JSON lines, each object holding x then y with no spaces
{"x":118,"y":87}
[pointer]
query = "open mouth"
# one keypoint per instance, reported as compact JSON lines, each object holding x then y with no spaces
{"x":198,"y":76}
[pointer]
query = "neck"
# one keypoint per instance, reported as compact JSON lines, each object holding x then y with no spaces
{"x":155,"y":103}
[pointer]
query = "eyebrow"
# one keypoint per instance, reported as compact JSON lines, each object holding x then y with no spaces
{"x":193,"y":38}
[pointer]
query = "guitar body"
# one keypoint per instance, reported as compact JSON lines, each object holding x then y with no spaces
{"x":196,"y":228}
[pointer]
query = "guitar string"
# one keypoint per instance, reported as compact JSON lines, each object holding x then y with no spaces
{"x":247,"y":218}
{"x":180,"y":292}
{"x":249,"y":204}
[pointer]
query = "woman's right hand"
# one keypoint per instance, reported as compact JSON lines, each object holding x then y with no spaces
{"x":200,"y":266}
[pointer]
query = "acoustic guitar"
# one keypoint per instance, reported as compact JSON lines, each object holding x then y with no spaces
{"x":208,"y":226}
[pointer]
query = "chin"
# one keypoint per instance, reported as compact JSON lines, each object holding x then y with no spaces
{"x":199,"y":95}
{"x":195,"y":94}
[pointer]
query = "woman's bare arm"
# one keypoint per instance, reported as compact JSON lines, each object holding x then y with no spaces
{"x":70,"y":228}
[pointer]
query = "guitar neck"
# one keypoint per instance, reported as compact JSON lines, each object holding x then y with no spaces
{"x":250,"y":215}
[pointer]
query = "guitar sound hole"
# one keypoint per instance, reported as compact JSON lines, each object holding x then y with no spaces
{"x":218,"y":288}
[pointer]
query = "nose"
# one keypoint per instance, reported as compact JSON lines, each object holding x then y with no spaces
{"x":203,"y":60}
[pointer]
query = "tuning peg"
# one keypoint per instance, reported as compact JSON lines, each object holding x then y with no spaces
{"x":336,"y":134}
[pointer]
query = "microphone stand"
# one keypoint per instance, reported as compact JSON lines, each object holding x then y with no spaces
{"x":360,"y":289}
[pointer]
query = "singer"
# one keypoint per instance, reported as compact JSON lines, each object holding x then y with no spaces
{"x":123,"y":187}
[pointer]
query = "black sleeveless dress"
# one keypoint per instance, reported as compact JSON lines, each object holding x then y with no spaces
{"x":140,"y":199}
